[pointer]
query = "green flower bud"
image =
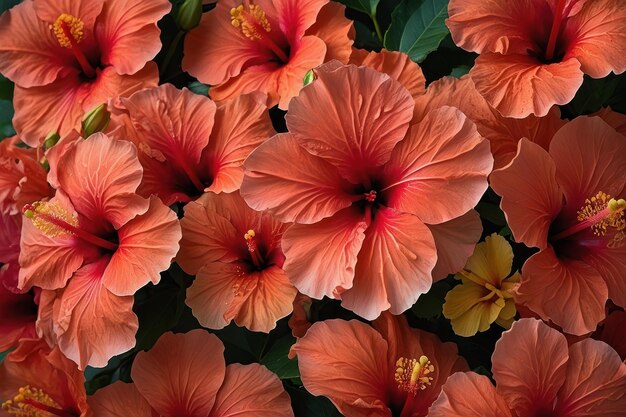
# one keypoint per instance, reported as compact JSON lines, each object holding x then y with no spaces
{"x":51,"y":140}
{"x":96,"y":120}
{"x":309,"y":77}
{"x":189,"y":14}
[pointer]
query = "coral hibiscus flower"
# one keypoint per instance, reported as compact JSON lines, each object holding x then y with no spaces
{"x":189,"y":146}
{"x":569,"y":202}
{"x":537,"y":374}
{"x":195,"y":382}
{"x":266,"y":45}
{"x":38,"y":381}
{"x":67,"y":57}
{"x":390,"y":369}
{"x":92,"y":246}
{"x":533,"y":54}
{"x":361,"y":183}
{"x":235,"y":254}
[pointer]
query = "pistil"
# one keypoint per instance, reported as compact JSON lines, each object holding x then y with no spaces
{"x":554,"y":32}
{"x":33,"y":402}
{"x":252,"y":21}
{"x":69,"y":32}
{"x":253,"y":248}
{"x":412,"y":376}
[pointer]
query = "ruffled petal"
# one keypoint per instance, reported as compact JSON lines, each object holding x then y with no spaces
{"x":397,"y":65}
{"x":520,"y":85}
{"x":87,"y":11}
{"x":570,"y":293}
{"x":365,"y":114}
{"x":251,"y":391}
{"x":337,"y":32}
{"x":120,"y":400}
{"x":241,"y":125}
{"x":185,"y":383}
{"x":356,"y":362}
{"x":394,"y":265}
{"x":531,"y":196}
{"x":492,"y":260}
{"x":147,"y":245}
{"x":91,"y":324}
{"x":439,"y":171}
{"x":469,"y":309}
{"x":595,"y":385}
{"x":296,"y":16}
{"x":598,"y":25}
{"x":215,"y":281}
{"x":530,"y":381}
{"x":321,"y":257}
{"x":469,"y":395}
{"x":293,"y":184}
{"x":127,"y":33}
{"x":455,"y":241}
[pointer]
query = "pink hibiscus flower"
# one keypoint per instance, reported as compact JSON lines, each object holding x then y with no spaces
{"x":92,"y":246}
{"x":533,"y":54}
{"x":193,"y":383}
{"x":67,"y":57}
{"x":569,"y":202}
{"x":187,"y":145}
{"x":235,"y":254}
{"x":266,"y":45}
{"x":361,"y":183}
{"x":537,"y":374}
{"x":390,"y":369}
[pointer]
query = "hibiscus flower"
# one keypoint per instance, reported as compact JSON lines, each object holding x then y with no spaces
{"x":390,"y":369}
{"x":569,"y":202}
{"x":533,"y":54}
{"x":266,"y":45}
{"x":235,"y":254}
{"x":361,"y":183}
{"x":188,"y":145}
{"x":39,"y":381}
{"x":68,"y":57}
{"x":91,"y":247}
{"x":545,"y":377}
{"x":195,"y":382}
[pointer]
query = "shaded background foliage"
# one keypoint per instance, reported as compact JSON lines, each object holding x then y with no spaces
{"x":415,"y":27}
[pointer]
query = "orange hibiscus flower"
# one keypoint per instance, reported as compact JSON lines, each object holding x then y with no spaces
{"x":66,"y":57}
{"x":266,"y":46}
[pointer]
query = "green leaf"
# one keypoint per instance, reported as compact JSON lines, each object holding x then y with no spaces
{"x":199,"y":88}
{"x":365,"y":6}
{"x":276,"y":359}
{"x":6,"y":114}
{"x":306,"y":405}
{"x":417,"y":27}
{"x":491,"y":213}
{"x":430,"y":305}
{"x":461,"y":70}
{"x":597,"y":93}
{"x":6,"y":88}
{"x":3,"y":354}
{"x":7,"y":4}
{"x":365,"y":38}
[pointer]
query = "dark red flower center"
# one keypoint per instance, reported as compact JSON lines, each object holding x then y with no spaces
{"x":69,"y":31}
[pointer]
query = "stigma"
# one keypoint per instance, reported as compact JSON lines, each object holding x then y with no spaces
{"x":412,"y":375}
{"x":251,"y":20}
{"x":33,"y":402}
{"x":50,"y":218}
{"x":68,"y":30}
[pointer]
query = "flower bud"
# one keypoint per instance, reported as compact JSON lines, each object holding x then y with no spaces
{"x":309,"y":77}
{"x":96,"y":120}
{"x":51,"y":140}
{"x":189,"y":14}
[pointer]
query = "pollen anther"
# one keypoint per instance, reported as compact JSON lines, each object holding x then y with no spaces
{"x":412,"y":375}
{"x":65,"y":25}
{"x":606,"y":212}
{"x":43,"y":214}
{"x":31,"y":402}
{"x":251,"y":20}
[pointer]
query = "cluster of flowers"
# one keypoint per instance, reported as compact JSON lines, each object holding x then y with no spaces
{"x":368,"y":198}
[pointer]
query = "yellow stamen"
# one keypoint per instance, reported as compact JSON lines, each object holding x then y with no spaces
{"x":601,"y":212}
{"x":412,"y":374}
{"x":43,"y":215}
{"x":65,"y":25}
{"x":249,"y":235}
{"x":32,"y":402}
{"x":251,"y":21}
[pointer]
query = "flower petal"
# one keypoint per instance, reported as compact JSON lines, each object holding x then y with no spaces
{"x":530,"y":383}
{"x":520,"y":85}
{"x":455,"y":241}
{"x":356,"y":362}
{"x":335,"y":30}
{"x":128,"y":34}
{"x":293,"y":184}
{"x":570,"y":293}
{"x":595,"y":385}
{"x":394,"y":265}
{"x":251,"y":391}
{"x":321,"y":257}
{"x":492,"y":259}
{"x":147,"y":245}
{"x":467,"y":394}
{"x":120,"y":400}
{"x":531,"y":196}
{"x":365,"y":114}
{"x":468,"y":311}
{"x":439,"y":171}
{"x":185,"y":383}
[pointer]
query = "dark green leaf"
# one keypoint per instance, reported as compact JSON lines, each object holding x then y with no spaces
{"x":2,"y":355}
{"x":7,"y":4}
{"x":6,"y":88}
{"x":430,"y":305}
{"x":276,"y":359}
{"x":199,"y":88}
{"x":460,"y":71}
{"x":417,"y":27}
{"x":306,"y":405}
{"x":365,"y":38}
{"x":365,"y":6}
{"x":594,"y":94}
{"x":6,"y":114}
{"x":491,"y":213}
